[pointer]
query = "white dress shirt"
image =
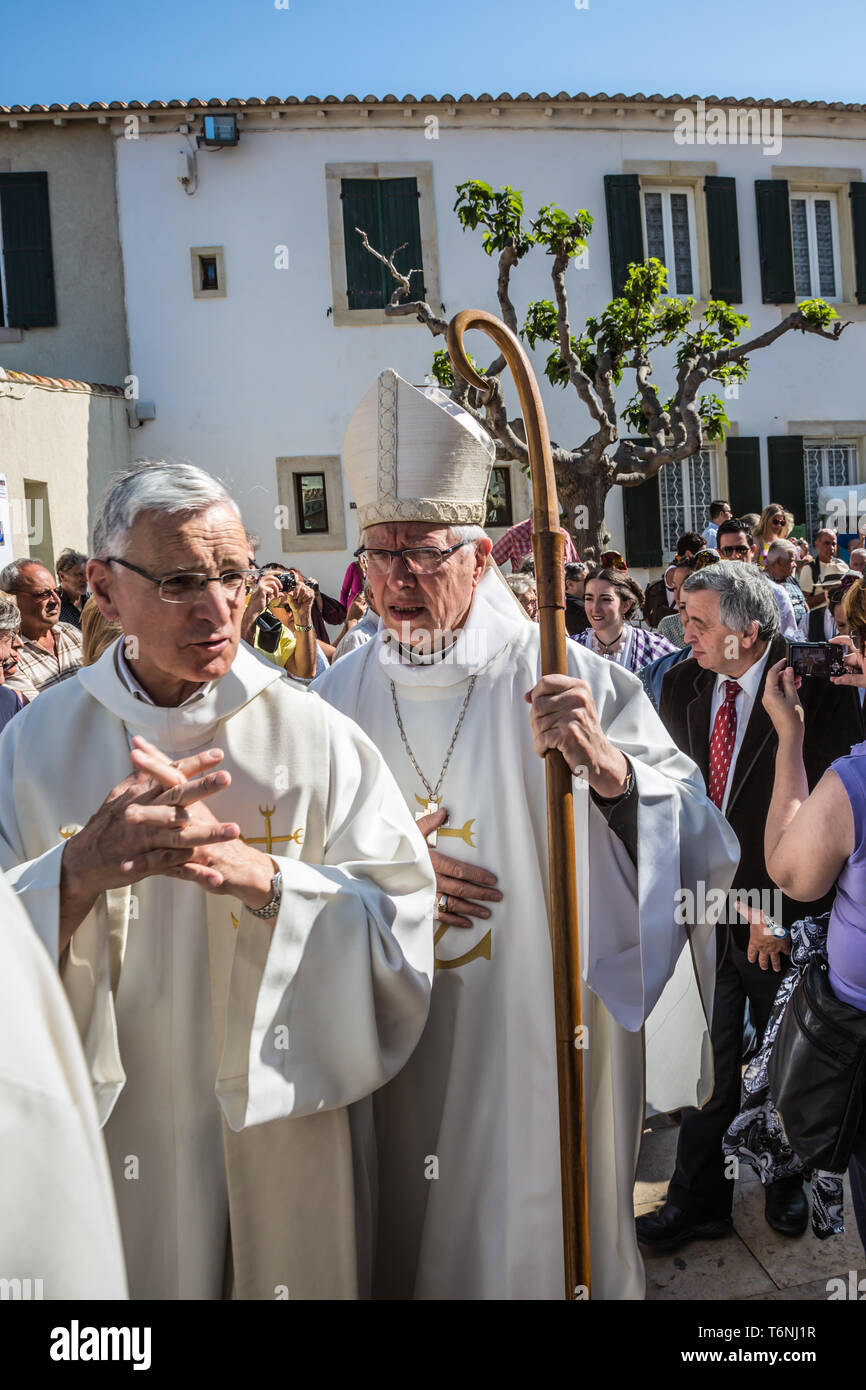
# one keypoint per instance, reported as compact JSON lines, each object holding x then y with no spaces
{"x":787,"y":621}
{"x":139,"y":691}
{"x":749,"y":683}
{"x":830,"y":628}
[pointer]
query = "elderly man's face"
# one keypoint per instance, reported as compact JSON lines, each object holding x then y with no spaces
{"x":38,"y":600}
{"x":73,"y":581}
{"x":826,"y":546}
{"x":782,"y":567}
{"x":858,"y":562}
{"x":424,"y":603}
{"x":10,"y":645}
{"x":714,"y":646}
{"x":177,"y":645}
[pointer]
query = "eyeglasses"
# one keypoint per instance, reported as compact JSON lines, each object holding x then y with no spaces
{"x":186,"y":588}
{"x":733,"y":550}
{"x":421,"y":559}
{"x":40,"y":594}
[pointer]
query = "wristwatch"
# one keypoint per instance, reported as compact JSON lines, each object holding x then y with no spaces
{"x":303,"y":627}
{"x":272,"y":907}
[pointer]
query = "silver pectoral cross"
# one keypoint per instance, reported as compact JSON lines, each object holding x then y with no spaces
{"x":430,"y":809}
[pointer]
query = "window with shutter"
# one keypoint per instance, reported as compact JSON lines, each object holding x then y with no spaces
{"x":815,"y":243}
{"x":787,"y":477}
{"x":669,"y":224}
{"x":857,"y":195}
{"x":27,"y":286}
{"x":744,"y":473}
{"x":775,"y":241}
{"x":642,"y":522}
{"x":387,"y":210}
{"x":724,"y":239}
{"x":686,"y":489}
{"x":624,"y":225}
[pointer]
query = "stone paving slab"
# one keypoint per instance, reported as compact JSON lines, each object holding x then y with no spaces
{"x":755,"y":1262}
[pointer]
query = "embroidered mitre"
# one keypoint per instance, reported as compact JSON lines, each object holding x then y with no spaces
{"x":413,"y":454}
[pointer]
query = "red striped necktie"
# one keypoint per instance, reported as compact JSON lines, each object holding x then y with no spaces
{"x":722,"y":742}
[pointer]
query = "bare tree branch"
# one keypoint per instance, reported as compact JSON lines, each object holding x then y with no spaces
{"x":400,"y":305}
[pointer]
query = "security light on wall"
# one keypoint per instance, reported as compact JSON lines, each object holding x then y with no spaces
{"x":218,"y":130}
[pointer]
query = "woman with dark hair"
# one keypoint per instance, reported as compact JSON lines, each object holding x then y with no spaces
{"x":612,"y":600}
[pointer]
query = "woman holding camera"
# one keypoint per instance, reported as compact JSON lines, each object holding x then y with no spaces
{"x":286,"y":610}
{"x":806,"y":861}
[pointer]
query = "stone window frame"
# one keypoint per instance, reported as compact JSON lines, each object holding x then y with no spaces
{"x":293,"y":541}
{"x":218,"y":253}
{"x":682,"y":173}
{"x":827,"y":180}
{"x":422,"y":172}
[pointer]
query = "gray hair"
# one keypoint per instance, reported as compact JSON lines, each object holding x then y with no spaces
{"x":779,"y":548}
{"x":152,"y":486}
{"x":10,"y":617}
{"x":745,"y":596}
{"x":68,"y":559}
{"x":10,"y":575}
{"x":468,"y":533}
{"x":858,"y":551}
{"x":521,"y":584}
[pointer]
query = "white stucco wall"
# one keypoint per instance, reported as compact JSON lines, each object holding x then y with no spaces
{"x":264,"y":373}
{"x":72,"y":441}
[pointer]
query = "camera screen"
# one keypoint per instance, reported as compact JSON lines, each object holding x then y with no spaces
{"x":820,"y":659}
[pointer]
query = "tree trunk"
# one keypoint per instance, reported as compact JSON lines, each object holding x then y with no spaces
{"x":581,"y":501}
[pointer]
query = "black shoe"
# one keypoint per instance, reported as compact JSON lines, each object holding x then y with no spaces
{"x":785,"y":1206}
{"x":669,"y":1227}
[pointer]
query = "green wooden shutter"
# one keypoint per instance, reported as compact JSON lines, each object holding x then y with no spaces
{"x":362,"y":208}
{"x":787,"y":477}
{"x":858,"y":220}
{"x":624,"y":227}
{"x":774,"y":241}
{"x":724,"y":237}
{"x":401,"y":223}
{"x":744,"y":474}
{"x":27,"y":251}
{"x":642,"y":517}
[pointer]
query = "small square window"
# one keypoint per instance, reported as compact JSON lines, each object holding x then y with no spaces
{"x":208,"y":272}
{"x":312,"y":504}
{"x":499,"y":508}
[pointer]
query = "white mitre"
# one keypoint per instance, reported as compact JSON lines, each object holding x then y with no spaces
{"x":415,"y":455}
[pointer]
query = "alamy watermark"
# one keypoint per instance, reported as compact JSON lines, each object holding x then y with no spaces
{"x":729,"y":125}
{"x":709,"y":907}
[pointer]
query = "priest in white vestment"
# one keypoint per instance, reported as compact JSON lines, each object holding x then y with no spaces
{"x":239,"y":902}
{"x":460,"y":1152}
{"x":59,"y":1237}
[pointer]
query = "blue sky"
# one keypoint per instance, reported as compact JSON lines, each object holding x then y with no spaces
{"x":110,"y":49}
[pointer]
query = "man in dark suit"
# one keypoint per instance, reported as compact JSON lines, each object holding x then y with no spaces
{"x":712,"y":706}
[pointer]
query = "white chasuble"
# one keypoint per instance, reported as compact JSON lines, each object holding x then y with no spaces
{"x":58,"y":1224}
{"x":224,"y":1049}
{"x":467,"y":1136}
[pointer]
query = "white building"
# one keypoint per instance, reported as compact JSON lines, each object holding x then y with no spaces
{"x":256,"y":330}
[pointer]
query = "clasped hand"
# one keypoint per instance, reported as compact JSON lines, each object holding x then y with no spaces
{"x":155,"y":822}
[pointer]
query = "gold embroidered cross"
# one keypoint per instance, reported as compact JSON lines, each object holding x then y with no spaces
{"x":269,"y":839}
{"x":463,"y":832}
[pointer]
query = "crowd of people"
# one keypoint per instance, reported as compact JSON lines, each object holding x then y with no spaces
{"x":304,"y":937}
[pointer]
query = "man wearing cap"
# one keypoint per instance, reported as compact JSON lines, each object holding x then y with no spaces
{"x":458,"y":1157}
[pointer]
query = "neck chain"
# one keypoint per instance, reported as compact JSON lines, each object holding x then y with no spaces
{"x":608,"y":645}
{"x":433,"y":796}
